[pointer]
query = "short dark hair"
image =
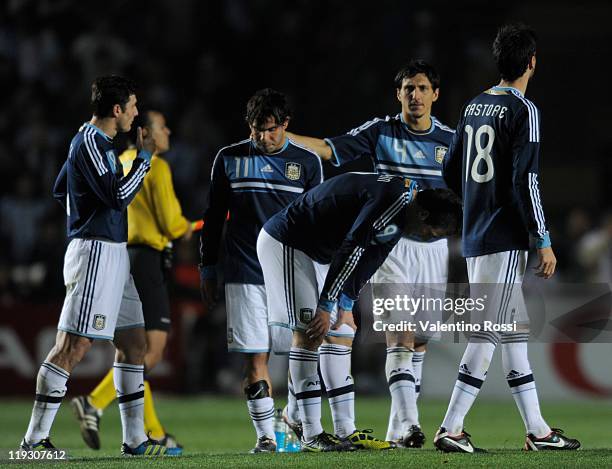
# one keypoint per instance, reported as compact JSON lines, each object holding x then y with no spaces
{"x":513,"y":48}
{"x":267,"y":103}
{"x":444,"y":209}
{"x":108,"y":91}
{"x":418,"y":66}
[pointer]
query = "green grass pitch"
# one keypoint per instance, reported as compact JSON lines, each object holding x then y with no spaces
{"x":217,"y":432}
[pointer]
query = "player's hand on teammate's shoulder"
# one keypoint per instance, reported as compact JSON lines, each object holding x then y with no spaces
{"x":547,"y":263}
{"x":344,"y":317}
{"x":144,"y":140}
{"x":319,"y":326}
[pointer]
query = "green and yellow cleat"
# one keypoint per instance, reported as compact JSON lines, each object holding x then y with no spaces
{"x":150,"y":448}
{"x":362,"y":439}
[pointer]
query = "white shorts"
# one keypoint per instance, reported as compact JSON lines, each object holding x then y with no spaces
{"x":416,"y":269}
{"x":293,"y":281}
{"x":100,"y":293}
{"x":499,"y":276}
{"x":247,"y":318}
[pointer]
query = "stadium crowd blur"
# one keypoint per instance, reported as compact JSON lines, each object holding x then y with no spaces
{"x":198,"y":62}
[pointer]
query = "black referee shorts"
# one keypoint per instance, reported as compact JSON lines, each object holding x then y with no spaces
{"x":146,"y":268}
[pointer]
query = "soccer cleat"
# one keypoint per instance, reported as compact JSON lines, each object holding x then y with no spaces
{"x":42,"y":445}
{"x":553,"y":441}
{"x":325,"y":442}
{"x":169,"y":441}
{"x":362,"y":439}
{"x":150,"y":448}
{"x":414,"y":438}
{"x":295,"y":426}
{"x":454,"y":443}
{"x":89,"y":420}
{"x":264,"y":444}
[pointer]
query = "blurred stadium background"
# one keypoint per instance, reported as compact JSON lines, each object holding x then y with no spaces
{"x":198,"y":62}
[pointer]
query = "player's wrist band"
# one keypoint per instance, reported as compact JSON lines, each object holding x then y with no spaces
{"x":145,"y":155}
{"x":345,"y":303}
{"x":207,"y":271}
{"x":544,"y":241}
{"x":326,"y":305}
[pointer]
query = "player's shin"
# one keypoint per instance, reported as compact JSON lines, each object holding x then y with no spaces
{"x":400,"y":378}
{"x":472,"y":372}
{"x":50,"y":390}
{"x":417,"y":368}
{"x":522,"y":384}
{"x":261,"y":408}
{"x":293,"y":412}
{"x":303,"y":369}
{"x":129,"y":382}
{"x":336,"y":371}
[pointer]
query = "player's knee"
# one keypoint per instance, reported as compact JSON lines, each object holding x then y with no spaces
{"x":256,"y":365}
{"x":346,"y":341}
{"x":69,"y":349}
{"x":400,"y":339}
{"x":301,"y":340}
{"x":257,"y":390}
{"x":131,"y":346}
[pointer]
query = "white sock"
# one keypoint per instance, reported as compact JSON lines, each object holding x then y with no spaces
{"x":50,"y":390}
{"x":336,"y":372}
{"x":129,"y":383}
{"x":303,"y":369}
{"x":472,"y":372}
{"x":417,"y":369}
{"x":522,"y":385}
{"x":293,"y":412}
{"x":398,"y":368}
{"x":262,"y":415}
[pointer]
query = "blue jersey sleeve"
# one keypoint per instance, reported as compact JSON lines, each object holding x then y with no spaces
{"x":113,"y":190}
{"x":365,"y":247}
{"x":453,"y":162}
{"x":355,"y":143}
{"x":214,"y":217}
{"x":315,"y":174}
{"x":525,"y":169}
{"x":60,"y":188}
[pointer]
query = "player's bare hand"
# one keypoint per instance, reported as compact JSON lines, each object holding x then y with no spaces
{"x":344,"y":317}
{"x":144,"y":140}
{"x":547,"y":263}
{"x":319,"y":326}
{"x":187,"y":235}
{"x":208,"y":289}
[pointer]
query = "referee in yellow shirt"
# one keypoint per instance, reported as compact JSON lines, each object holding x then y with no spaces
{"x":154,"y":219}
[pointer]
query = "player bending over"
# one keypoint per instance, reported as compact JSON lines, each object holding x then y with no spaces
{"x":413,"y":144}
{"x":338,"y":234}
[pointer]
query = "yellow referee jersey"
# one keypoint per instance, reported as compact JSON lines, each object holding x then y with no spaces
{"x":154,"y":216}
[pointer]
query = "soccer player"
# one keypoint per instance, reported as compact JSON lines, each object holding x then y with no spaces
{"x":154,"y":219}
{"x":412,"y":144}
{"x":344,"y":228}
{"x":101,"y":300}
{"x":493,"y":163}
{"x":253,"y":179}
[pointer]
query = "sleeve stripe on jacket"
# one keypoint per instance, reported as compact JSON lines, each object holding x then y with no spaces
{"x":94,"y":153}
{"x":538,"y":212}
{"x":346,"y":271}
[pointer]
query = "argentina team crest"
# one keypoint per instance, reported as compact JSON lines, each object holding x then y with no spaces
{"x":293,"y":171}
{"x":99,"y":322}
{"x":306,"y":315}
{"x":440,"y":154}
